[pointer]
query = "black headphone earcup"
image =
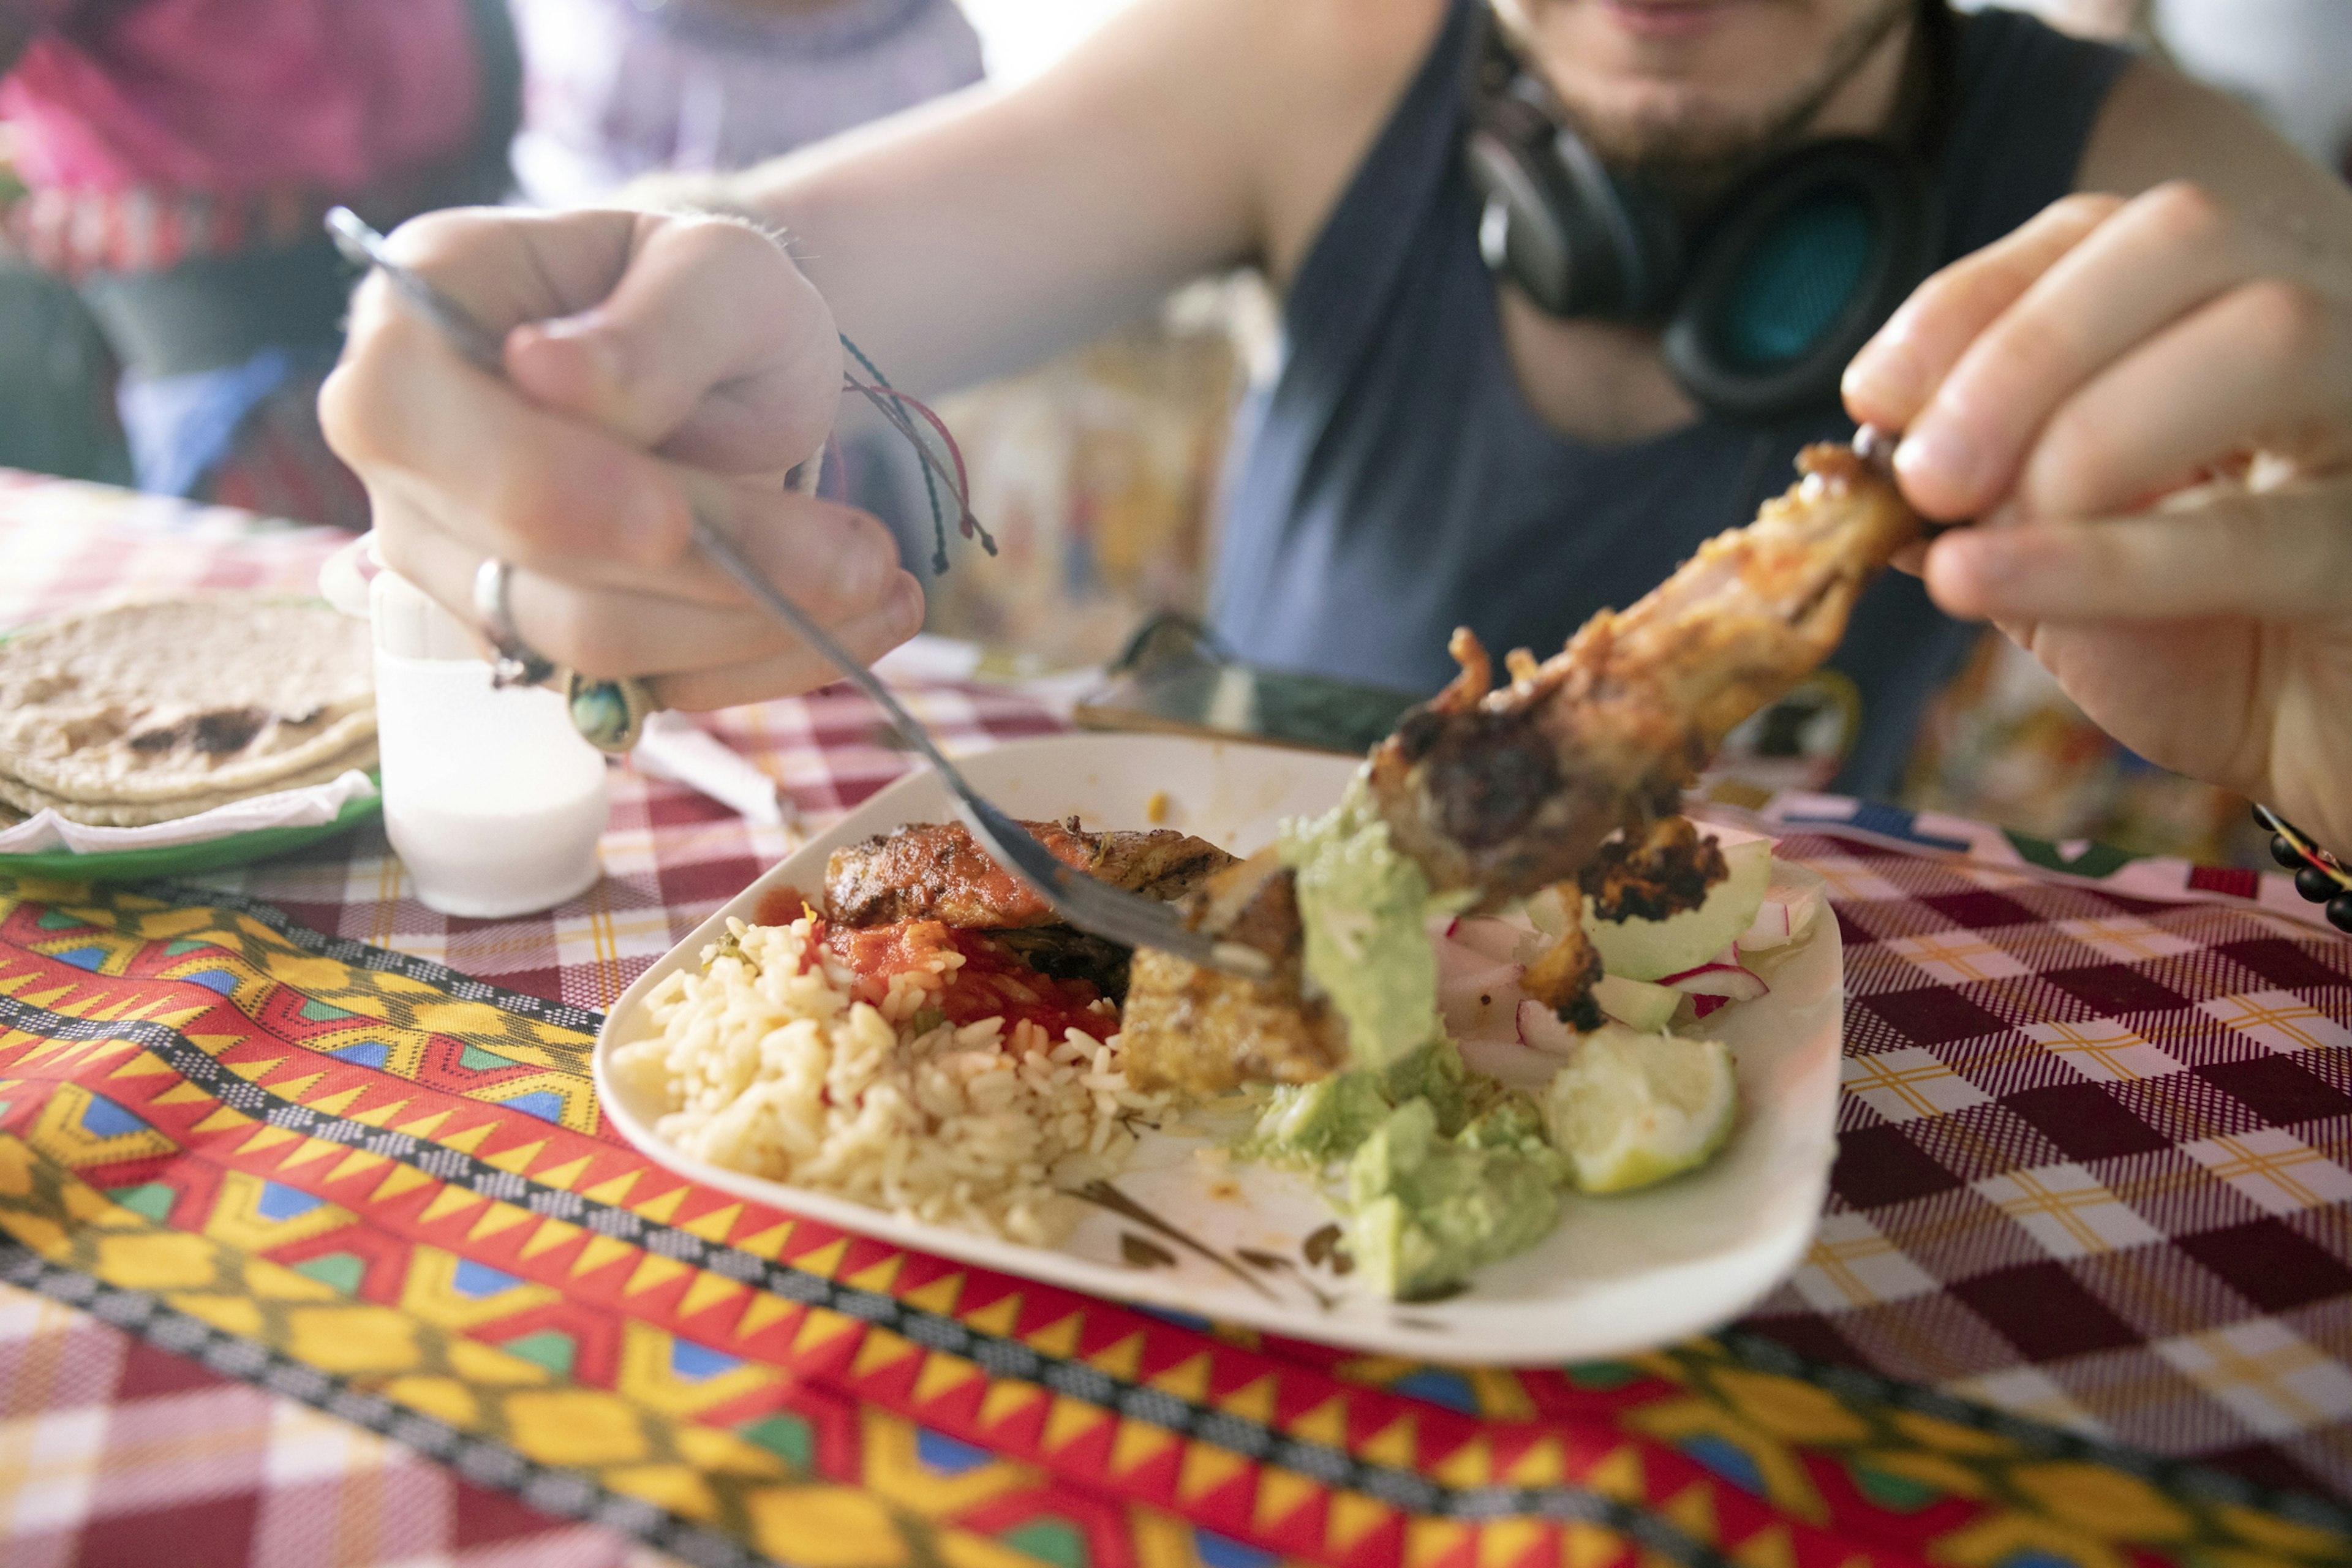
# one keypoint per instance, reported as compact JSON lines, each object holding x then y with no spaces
{"x":1797,"y":272}
{"x":1577,"y":239}
{"x":1520,"y":235}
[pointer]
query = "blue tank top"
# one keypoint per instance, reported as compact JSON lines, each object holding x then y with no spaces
{"x":1392,"y":482}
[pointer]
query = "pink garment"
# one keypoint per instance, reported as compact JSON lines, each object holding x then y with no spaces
{"x":238,"y":97}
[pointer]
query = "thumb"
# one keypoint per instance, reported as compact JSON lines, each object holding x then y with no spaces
{"x":711,"y":350}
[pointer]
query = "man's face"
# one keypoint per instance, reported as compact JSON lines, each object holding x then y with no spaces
{"x":1696,"y":91}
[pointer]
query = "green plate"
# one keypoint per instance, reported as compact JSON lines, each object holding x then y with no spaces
{"x":180,"y":860}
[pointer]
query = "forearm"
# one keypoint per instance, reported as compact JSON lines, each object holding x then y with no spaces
{"x":949,"y":269}
{"x":2158,"y":125}
{"x":985,"y":231}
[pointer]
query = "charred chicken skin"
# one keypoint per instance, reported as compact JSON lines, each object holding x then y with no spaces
{"x":935,"y":872}
{"x":1505,"y":791}
{"x":1666,"y":871}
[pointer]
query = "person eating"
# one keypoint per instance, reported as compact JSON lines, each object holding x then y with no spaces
{"x":1565,"y":285}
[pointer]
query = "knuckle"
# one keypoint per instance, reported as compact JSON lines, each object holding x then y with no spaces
{"x":2021,"y":365}
{"x":866,"y":535}
{"x":362,"y":406}
{"x":2180,"y":213}
{"x":2281,"y":318}
{"x":727,"y":243}
{"x":340,"y":419}
{"x":2083,"y":208}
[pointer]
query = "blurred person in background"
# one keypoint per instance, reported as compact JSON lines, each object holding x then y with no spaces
{"x":176,"y":157}
{"x":2138,"y":288}
{"x":615,"y":90}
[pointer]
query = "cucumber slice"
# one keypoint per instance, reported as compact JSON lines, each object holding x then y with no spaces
{"x":1637,"y":949}
{"x":1637,"y":1004}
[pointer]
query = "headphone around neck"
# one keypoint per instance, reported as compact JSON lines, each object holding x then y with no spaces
{"x":1767,"y":300}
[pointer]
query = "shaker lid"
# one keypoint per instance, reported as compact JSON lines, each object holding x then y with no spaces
{"x":410,"y":625}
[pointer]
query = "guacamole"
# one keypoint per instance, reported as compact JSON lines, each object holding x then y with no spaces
{"x":1445,"y":1170}
{"x":1426,"y":1209}
{"x":1364,"y":905}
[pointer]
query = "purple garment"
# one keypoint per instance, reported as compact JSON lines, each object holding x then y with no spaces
{"x":616,"y":89}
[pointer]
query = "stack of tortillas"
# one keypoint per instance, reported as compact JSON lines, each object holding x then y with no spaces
{"x":149,"y":713}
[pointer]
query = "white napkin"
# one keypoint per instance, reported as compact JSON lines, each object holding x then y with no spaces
{"x":673,"y":746}
{"x":308,"y":807}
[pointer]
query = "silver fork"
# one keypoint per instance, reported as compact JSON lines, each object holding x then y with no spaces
{"x":1091,"y":905}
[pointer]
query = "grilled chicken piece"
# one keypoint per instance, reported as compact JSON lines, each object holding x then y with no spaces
{"x":933,"y":871}
{"x":1207,"y":1032}
{"x":1665,"y":872}
{"x":1563,"y":977}
{"x":1507,"y":791}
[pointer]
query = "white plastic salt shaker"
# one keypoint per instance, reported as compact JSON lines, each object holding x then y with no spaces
{"x":490,"y":797}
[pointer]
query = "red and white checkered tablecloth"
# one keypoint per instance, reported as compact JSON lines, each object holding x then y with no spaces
{"x":2096,"y":1140}
{"x":114,"y":1454}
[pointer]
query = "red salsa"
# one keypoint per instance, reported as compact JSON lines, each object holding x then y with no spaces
{"x":992,"y":983}
{"x":782,"y":905}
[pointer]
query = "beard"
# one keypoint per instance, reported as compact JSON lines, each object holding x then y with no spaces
{"x":1694,"y":151}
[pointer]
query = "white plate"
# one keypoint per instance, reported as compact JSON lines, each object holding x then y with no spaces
{"x":1619,"y":1274}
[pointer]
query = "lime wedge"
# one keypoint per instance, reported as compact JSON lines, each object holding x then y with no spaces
{"x":1631,"y":1110}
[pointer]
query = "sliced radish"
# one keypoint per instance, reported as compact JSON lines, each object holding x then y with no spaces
{"x":1788,"y":913}
{"x":1540,"y":1029}
{"x":1721,"y":978}
{"x":1702,"y":1005}
{"x":1477,"y":995}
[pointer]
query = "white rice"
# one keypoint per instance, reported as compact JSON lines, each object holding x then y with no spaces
{"x":785,"y":1075}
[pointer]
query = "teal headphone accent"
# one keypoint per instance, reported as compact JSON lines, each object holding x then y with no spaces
{"x":1764,"y":304}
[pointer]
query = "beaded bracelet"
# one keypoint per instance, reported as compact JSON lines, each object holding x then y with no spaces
{"x":2318,"y":876}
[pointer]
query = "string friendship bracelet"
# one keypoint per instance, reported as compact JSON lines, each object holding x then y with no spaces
{"x":901,"y":411}
{"x":2320,"y":877}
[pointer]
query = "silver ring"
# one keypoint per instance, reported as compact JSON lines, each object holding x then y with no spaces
{"x":517,"y":664}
